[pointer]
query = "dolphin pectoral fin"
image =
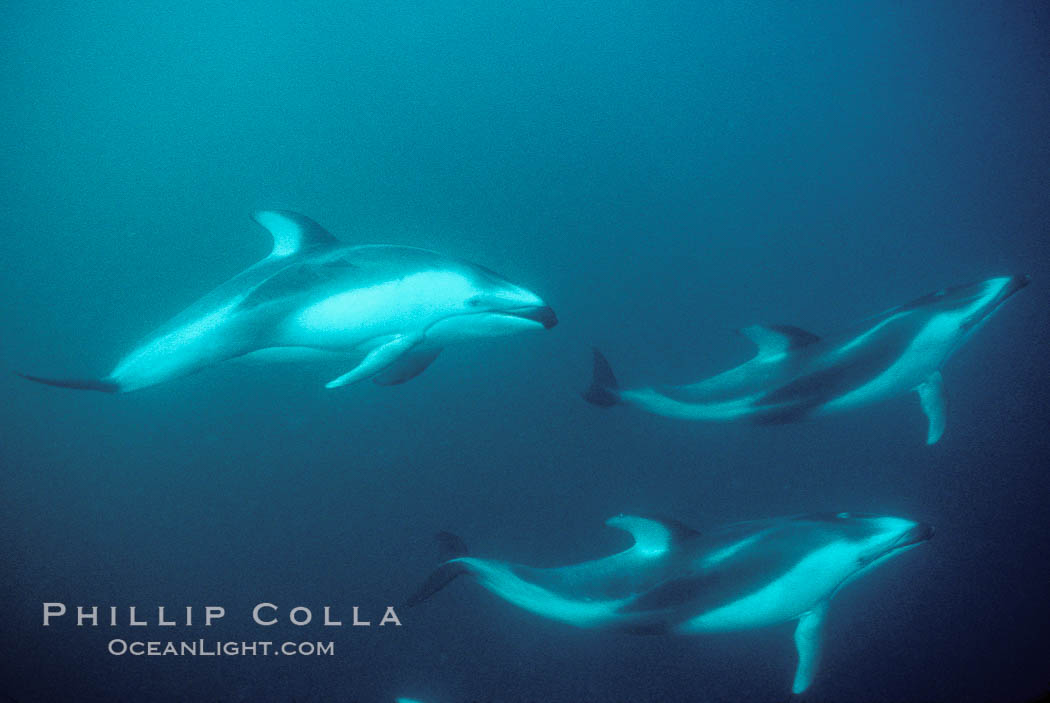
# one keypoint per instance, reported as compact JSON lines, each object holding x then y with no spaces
{"x":292,"y":232}
{"x":407,"y":367}
{"x":776,"y":340}
{"x":808,"y":642}
{"x":377,"y":360}
{"x":931,"y":394}
{"x":452,"y":548}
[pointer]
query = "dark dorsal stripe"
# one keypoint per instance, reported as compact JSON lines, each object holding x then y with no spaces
{"x":741,"y":574}
{"x":294,"y":279}
{"x":856,"y":368}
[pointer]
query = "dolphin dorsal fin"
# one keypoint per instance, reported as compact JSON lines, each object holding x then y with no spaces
{"x":773,"y":341}
{"x":292,"y":232}
{"x":652,"y":536}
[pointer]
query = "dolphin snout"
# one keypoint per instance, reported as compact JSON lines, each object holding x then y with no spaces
{"x":920,"y":533}
{"x":541,"y":314}
{"x":545,"y":316}
{"x":1014,"y":284}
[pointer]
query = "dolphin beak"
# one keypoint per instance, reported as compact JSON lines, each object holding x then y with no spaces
{"x":1016,"y":284}
{"x":920,"y":533}
{"x":1011,"y":285}
{"x":543,"y":314}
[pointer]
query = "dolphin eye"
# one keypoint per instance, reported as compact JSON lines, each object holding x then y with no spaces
{"x":474,"y":303}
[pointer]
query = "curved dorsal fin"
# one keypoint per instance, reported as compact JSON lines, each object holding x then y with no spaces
{"x":776,"y":340}
{"x":652,"y":536}
{"x":292,"y":232}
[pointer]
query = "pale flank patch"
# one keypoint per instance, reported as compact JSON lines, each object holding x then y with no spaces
{"x":718,"y":556}
{"x":922,"y":357}
{"x":808,"y":582}
{"x":500,"y":580}
{"x":408,"y":303}
{"x":865,"y":336}
{"x":194,"y":331}
{"x":658,"y":403}
{"x":174,"y":352}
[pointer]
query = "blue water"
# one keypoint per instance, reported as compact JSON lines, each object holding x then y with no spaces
{"x":661,"y":174}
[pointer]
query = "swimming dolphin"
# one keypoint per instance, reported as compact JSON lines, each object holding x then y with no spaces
{"x":676,"y":580}
{"x":385,"y":310}
{"x":796,"y":374}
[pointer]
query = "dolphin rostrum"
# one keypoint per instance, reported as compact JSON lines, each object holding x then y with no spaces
{"x":677,"y":580}
{"x":796,"y":374}
{"x":385,"y":310}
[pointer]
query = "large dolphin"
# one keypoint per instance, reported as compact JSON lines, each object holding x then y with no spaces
{"x":796,"y":374}
{"x":676,"y":580}
{"x":386,"y":310}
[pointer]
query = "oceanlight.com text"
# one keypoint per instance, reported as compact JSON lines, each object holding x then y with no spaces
{"x":218,"y":648}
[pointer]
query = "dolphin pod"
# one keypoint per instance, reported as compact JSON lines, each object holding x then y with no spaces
{"x":386,"y":310}
{"x":674,"y":579}
{"x":795,"y":374}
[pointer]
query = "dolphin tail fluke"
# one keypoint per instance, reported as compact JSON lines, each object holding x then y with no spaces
{"x":604,"y":390}
{"x":83,"y":384}
{"x":452,"y":547}
{"x":441,"y":577}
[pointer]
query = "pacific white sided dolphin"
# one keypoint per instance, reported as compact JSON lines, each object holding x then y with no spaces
{"x":796,"y":374}
{"x":387,"y":310}
{"x":676,"y":580}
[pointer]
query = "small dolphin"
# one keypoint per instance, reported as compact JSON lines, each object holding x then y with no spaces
{"x":677,"y":580}
{"x":796,"y":374}
{"x":388,"y":310}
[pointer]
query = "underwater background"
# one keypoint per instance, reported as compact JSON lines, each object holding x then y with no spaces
{"x":662,"y":174}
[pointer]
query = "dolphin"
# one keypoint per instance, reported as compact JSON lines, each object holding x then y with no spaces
{"x":386,"y":311}
{"x":796,"y":374}
{"x":677,"y":580}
